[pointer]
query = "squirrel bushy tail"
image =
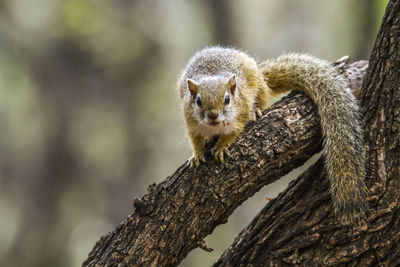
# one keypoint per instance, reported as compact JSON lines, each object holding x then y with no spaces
{"x":343,"y":147}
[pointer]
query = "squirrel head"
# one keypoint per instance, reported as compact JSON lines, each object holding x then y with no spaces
{"x":213,"y":99}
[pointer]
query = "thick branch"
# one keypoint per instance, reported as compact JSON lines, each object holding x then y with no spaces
{"x":293,"y":229}
{"x":177,"y":214}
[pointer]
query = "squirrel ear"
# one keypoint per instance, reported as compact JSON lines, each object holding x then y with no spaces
{"x":192,"y":86}
{"x":232,"y":84}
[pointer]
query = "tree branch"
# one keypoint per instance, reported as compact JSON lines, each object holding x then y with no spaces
{"x":294,"y":230}
{"x":299,"y":226}
{"x":176,"y":215}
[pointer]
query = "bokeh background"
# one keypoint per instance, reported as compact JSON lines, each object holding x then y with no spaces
{"x":89,"y":115}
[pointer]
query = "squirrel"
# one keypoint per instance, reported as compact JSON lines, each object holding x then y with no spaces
{"x":222,"y":89}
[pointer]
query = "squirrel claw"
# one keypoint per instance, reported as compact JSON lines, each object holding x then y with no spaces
{"x":194,"y":161}
{"x":218,"y":154}
{"x":258,"y":113}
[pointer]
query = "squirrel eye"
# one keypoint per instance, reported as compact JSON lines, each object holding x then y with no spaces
{"x":227,"y":100}
{"x":198,"y":101}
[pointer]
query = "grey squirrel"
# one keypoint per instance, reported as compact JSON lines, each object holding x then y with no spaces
{"x":221,"y":89}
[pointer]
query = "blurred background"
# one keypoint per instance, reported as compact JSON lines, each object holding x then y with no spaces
{"x":89,"y":115}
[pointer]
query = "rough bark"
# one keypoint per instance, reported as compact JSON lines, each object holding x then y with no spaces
{"x":299,"y":226}
{"x":181,"y":211}
{"x":296,"y":228}
{"x":176,"y":215}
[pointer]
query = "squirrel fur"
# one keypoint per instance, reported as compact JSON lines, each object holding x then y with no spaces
{"x":221,"y":89}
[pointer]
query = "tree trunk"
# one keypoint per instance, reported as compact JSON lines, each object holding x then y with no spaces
{"x":299,"y":226}
{"x":296,"y":229}
{"x":177,"y":214}
{"x":189,"y":204}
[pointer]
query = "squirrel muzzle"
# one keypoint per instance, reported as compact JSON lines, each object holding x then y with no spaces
{"x":212,"y":117}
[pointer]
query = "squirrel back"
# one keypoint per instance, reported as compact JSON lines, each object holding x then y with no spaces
{"x":343,"y":144}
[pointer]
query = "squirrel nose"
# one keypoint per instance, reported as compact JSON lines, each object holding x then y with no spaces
{"x":212,"y":114}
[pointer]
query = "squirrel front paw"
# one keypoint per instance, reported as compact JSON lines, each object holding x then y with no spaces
{"x":194,"y":161}
{"x":218,"y":153}
{"x":256,"y":114}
